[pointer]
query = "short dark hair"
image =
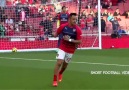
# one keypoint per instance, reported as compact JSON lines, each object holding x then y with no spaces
{"x":72,"y":14}
{"x":63,"y":7}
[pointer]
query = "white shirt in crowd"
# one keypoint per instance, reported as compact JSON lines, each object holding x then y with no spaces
{"x":9,"y":21}
{"x":22,"y":16}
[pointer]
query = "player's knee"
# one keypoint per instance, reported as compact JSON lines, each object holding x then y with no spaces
{"x":59,"y":63}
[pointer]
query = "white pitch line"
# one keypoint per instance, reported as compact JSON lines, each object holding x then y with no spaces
{"x":26,"y":59}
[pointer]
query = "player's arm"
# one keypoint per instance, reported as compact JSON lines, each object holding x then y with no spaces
{"x":59,"y":30}
{"x":66,"y":38}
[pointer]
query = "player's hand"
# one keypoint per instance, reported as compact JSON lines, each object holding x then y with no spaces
{"x":53,"y":34}
{"x":66,"y":38}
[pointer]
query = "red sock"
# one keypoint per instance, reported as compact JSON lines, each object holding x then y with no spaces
{"x":55,"y":78}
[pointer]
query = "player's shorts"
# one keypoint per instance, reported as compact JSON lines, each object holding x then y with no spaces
{"x":62,"y":55}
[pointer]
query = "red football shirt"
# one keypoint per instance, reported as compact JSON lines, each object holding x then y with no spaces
{"x":74,"y":33}
{"x":63,"y":17}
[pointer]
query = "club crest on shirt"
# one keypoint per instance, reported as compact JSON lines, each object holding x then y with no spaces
{"x":66,"y":28}
{"x":74,"y":30}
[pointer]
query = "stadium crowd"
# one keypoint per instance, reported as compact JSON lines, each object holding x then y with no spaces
{"x":15,"y":15}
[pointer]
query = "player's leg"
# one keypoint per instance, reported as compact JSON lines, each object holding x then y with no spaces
{"x":65,"y":64}
{"x":56,"y":70}
{"x":60,"y":60}
{"x":63,"y":68}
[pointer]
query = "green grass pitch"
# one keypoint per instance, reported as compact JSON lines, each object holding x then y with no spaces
{"x":34,"y":70}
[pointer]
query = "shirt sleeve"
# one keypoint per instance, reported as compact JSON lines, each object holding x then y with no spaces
{"x":59,"y":30}
{"x":79,"y":34}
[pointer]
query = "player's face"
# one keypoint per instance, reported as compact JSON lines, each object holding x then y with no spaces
{"x":64,"y":9}
{"x":73,"y":20}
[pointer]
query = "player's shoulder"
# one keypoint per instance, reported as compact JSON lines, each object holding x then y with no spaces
{"x":64,"y":25}
{"x":78,"y":29}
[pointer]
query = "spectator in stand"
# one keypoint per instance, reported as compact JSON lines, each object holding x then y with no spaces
{"x":109,"y":2}
{"x":83,"y":14}
{"x":41,"y":34}
{"x":3,"y":16}
{"x":41,"y":9}
{"x":110,"y":16}
{"x":33,"y":10}
{"x":121,"y":31}
{"x":103,"y":25}
{"x":92,"y":13}
{"x":117,"y":12}
{"x":90,"y":22}
{"x":18,"y":10}
{"x":126,"y":14}
{"x":41,"y":14}
{"x":9,"y":21}
{"x":22,"y":17}
{"x":57,"y":7}
{"x":115,"y":25}
{"x":26,"y":9}
{"x":89,"y":6}
{"x":105,"y":13}
{"x":118,"y":18}
{"x":95,"y":2}
{"x":47,"y":9}
{"x":83,"y":23}
{"x":110,"y":5}
{"x":2,"y":29}
{"x":105,"y":5}
{"x":47,"y":24}
{"x":16,"y":28}
{"x":10,"y":31}
{"x":55,"y":18}
{"x":95,"y":19}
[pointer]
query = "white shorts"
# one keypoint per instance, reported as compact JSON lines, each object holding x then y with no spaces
{"x":62,"y":55}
